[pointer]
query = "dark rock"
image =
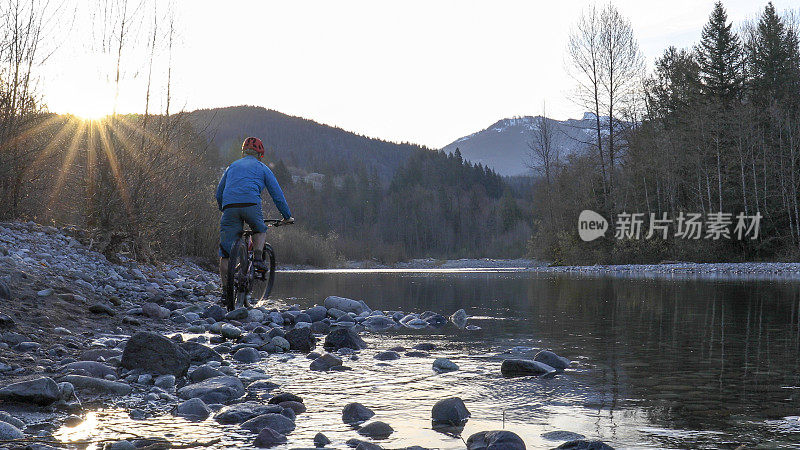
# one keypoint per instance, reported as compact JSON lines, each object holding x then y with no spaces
{"x":268,"y":437}
{"x":204,"y":373}
{"x":5,"y":291}
{"x":41,"y":391}
{"x":297,"y":407}
{"x":363,"y":445}
{"x":277,"y":422}
{"x":436,"y":320}
{"x":490,"y":440}
{"x":524,"y":367}
{"x":98,"y":386}
{"x":27,"y":347}
{"x":425,"y":346}
{"x":215,"y":312}
{"x":581,"y":444}
{"x":320,"y":440}
{"x":285,"y":397}
{"x":450,"y":411}
{"x":9,"y":432}
{"x":320,"y":327}
{"x":6,"y":321}
{"x":354,"y":413}
{"x":325,"y":362}
{"x":242,"y":412}
{"x":289,"y":413}
{"x":552,"y":360}
{"x":8,"y":418}
{"x":417,"y":354}
{"x":562,"y":436}
{"x":262,"y":385}
{"x":387,"y":356}
{"x":101,"y":308}
{"x":237,"y":314}
{"x":301,"y":340}
{"x":378,"y":323}
{"x":154,"y":353}
{"x":199,"y":353}
{"x":247,"y":355}
{"x":303,"y":317}
{"x":155,"y":311}
{"x":194,"y":409}
{"x":345,"y":304}
{"x":459,"y":318}
{"x":344,"y":338}
{"x":444,"y":365}
{"x":214,"y":390}
{"x":317,"y":313}
{"x":93,"y":368}
{"x":376,"y":430}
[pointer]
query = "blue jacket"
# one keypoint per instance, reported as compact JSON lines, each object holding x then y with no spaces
{"x":243,"y":182}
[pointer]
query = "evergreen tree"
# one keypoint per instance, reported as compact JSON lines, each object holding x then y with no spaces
{"x":772,"y":60}
{"x":720,"y":58}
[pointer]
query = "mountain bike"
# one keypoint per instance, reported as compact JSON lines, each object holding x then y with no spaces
{"x":247,"y":286}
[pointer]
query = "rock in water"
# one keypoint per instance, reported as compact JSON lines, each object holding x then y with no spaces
{"x":194,"y":409}
{"x":387,"y":356}
{"x":214,"y":390}
{"x":524,"y":367}
{"x":268,"y":437}
{"x":585,"y":445}
{"x":277,"y":422}
{"x":354,"y":413}
{"x":450,"y":412}
{"x":562,"y":436}
{"x":301,"y":340}
{"x":376,"y":430}
{"x":444,"y":365}
{"x":500,"y":439}
{"x":242,"y":412}
{"x":459,"y":318}
{"x":41,"y":391}
{"x":153,"y":352}
{"x":247,"y":355}
{"x":325,"y":362}
{"x":344,"y":338}
{"x":551,"y":359}
{"x":320,"y":440}
{"x":199,"y":353}
{"x":346,"y":304}
{"x":285,"y":397}
{"x":8,"y":432}
{"x":378,"y":323}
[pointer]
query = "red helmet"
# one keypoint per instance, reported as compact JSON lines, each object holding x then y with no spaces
{"x":253,"y":143}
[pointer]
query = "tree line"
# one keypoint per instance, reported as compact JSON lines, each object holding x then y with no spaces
{"x":713,"y":128}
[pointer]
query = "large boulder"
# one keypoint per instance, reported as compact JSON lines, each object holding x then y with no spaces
{"x":343,"y":338}
{"x":354,"y":413}
{"x":301,"y":339}
{"x":450,"y":411}
{"x":214,"y":390}
{"x":525,"y":367}
{"x":152,"y":352}
{"x":277,"y":422}
{"x":199,"y":353}
{"x":490,"y":440}
{"x":242,"y":412}
{"x":551,"y":359}
{"x":41,"y":391}
{"x":346,"y":304}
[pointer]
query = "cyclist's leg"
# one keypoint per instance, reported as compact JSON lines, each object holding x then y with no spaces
{"x":254,"y":217}
{"x":230,"y":227}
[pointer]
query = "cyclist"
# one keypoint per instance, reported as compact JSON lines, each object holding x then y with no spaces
{"x":239,"y":199}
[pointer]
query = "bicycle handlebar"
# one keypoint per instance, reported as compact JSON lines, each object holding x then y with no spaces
{"x":278,"y":222}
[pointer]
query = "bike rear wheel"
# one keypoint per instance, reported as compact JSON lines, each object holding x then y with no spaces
{"x":238,"y":266}
{"x":262,"y":287}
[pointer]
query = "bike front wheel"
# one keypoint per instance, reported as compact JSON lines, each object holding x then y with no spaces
{"x":262,"y":285}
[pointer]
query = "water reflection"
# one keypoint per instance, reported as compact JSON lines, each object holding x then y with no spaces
{"x":659,"y":363}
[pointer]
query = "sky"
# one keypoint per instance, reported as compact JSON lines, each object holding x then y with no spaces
{"x":426,"y":71}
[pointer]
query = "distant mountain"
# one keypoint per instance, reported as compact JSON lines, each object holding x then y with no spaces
{"x":302,"y":143}
{"x":504,"y":145}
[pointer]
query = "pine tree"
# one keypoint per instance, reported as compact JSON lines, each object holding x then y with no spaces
{"x":720,"y":58}
{"x":772,"y":60}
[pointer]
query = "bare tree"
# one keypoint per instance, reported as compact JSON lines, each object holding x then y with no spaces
{"x":544,"y":155}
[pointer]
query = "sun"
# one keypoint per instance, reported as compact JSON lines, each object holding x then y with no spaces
{"x":91,"y":109}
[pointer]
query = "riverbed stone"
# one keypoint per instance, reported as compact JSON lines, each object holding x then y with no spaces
{"x":450,"y":411}
{"x":194,"y":409}
{"x":155,"y":311}
{"x":199,"y":353}
{"x":325,"y":362}
{"x":459,"y":318}
{"x":297,"y":407}
{"x":242,"y":412}
{"x":317,"y":313}
{"x":8,"y":432}
{"x":378,"y":323}
{"x":524,"y":367}
{"x":99,"y":386}
{"x":344,"y":338}
{"x":229,"y":331}
{"x":562,"y":436}
{"x":551,"y":359}
{"x":166,"y":382}
{"x":346,"y":304}
{"x":354,"y":413}
{"x":152,"y":352}
{"x":444,"y":365}
{"x":93,"y":368}
{"x":214,"y":390}
{"x":285,"y":397}
{"x":387,"y":356}
{"x":277,"y":422}
{"x":582,"y":444}
{"x":376,"y":430}
{"x":204,"y":372}
{"x":40,"y":391}
{"x":268,"y":437}
{"x":301,"y":340}
{"x":8,"y":418}
{"x":247,"y":355}
{"x":320,"y":440}
{"x":499,"y":439}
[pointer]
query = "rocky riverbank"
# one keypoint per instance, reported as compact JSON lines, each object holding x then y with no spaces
{"x":79,"y":333}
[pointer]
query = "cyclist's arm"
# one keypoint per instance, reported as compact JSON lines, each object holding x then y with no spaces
{"x":221,"y":189}
{"x":276,"y":193}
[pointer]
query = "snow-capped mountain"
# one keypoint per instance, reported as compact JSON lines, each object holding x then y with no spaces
{"x":504,"y":145}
